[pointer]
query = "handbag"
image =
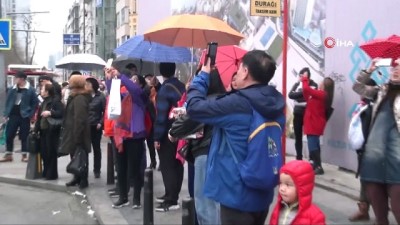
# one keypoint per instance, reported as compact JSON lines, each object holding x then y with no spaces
{"x":186,"y":153}
{"x":114,"y":101}
{"x":33,"y":143}
{"x":54,"y":123}
{"x":79,"y":163}
{"x":355,"y":133}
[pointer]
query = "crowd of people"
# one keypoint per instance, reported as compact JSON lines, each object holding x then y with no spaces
{"x":210,"y":127}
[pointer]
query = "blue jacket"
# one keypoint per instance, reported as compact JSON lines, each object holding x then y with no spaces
{"x":29,"y":101}
{"x":232,"y":114}
{"x":167,"y":97}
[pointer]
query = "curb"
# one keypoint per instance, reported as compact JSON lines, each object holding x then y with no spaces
{"x":331,"y":188}
{"x":35,"y":184}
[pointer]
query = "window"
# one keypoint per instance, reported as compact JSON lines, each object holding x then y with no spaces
{"x":118,"y":20}
{"x":97,"y":30}
{"x":124,"y":38}
{"x":124,"y":15}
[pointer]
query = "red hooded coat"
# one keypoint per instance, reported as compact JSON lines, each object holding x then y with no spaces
{"x":303,"y":177}
{"x":314,"y":116}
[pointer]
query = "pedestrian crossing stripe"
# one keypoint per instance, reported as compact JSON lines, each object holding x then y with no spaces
{"x":2,"y":41}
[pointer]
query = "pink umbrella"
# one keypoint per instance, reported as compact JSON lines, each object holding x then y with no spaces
{"x":227,"y":61}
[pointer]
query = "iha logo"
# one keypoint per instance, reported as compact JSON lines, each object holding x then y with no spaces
{"x":331,"y":42}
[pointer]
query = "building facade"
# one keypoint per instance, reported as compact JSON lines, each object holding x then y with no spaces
{"x":95,"y":21}
{"x":105,"y":28}
{"x":87,"y":26}
{"x":133,"y":16}
{"x":72,"y":27}
{"x":122,"y":14}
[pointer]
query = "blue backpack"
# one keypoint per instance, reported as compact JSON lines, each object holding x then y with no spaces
{"x":260,"y":169}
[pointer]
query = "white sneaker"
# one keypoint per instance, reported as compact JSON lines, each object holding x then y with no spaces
{"x":165,"y":207}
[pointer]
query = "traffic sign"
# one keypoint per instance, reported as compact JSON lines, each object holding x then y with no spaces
{"x":5,"y":34}
{"x":72,"y":39}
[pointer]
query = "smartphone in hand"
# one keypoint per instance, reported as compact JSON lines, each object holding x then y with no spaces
{"x":384,"y":62}
{"x":109,"y":63}
{"x":212,"y":53}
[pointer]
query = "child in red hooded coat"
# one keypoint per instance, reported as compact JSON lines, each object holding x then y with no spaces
{"x":294,"y":204}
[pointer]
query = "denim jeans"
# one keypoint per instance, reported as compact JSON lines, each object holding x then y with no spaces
{"x":313,"y":142}
{"x":208,"y":211}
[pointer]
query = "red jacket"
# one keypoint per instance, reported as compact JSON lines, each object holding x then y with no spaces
{"x":303,"y":177}
{"x":314,"y":116}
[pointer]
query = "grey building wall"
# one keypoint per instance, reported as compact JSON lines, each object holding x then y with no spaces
{"x":106,"y":27}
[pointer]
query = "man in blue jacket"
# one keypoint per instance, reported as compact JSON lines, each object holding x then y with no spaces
{"x":20,"y":107}
{"x":231,"y":116}
{"x":171,"y":168}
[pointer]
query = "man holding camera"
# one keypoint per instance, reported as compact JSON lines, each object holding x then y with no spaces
{"x":231,"y":115}
{"x":296,"y":94}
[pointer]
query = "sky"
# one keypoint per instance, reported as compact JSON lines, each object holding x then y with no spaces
{"x":53,"y":22}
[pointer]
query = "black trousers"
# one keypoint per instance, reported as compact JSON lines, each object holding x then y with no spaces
{"x":48,"y":150}
{"x":129,"y":165}
{"x":298,"y":134}
{"x":15,"y":122}
{"x":171,"y":170}
{"x":231,"y":216}
{"x":96,"y":143}
{"x":150,"y":146}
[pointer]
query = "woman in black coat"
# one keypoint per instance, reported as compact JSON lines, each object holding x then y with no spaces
{"x":51,"y":108}
{"x":76,"y":125}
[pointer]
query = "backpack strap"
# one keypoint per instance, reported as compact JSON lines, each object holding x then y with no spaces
{"x":262,"y":126}
{"x":175,"y":88}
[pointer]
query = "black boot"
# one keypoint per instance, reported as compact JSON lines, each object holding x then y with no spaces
{"x":84,"y":183}
{"x":318,"y":168}
{"x":73,"y":182}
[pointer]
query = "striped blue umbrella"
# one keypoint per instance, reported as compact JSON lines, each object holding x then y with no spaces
{"x":137,"y":48}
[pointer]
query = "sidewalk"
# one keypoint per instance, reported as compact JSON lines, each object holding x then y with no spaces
{"x":334,"y":180}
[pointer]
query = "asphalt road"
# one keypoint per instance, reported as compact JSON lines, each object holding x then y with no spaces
{"x":27,"y":205}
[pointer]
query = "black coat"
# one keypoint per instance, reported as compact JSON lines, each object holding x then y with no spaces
{"x":184,"y":126}
{"x":52,"y":104}
{"x":76,"y":127}
{"x":96,"y":109}
{"x":296,"y":93}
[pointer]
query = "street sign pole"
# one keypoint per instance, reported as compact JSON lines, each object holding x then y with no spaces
{"x":3,"y":74}
{"x":3,"y":84}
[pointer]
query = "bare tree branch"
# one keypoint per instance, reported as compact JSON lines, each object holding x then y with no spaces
{"x":33,"y":50}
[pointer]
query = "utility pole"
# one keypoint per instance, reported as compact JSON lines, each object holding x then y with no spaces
{"x":84,"y":28}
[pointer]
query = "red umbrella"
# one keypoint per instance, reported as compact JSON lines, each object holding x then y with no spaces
{"x":227,"y":61}
{"x":383,"y":47}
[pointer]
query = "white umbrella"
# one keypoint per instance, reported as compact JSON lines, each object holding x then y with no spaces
{"x":81,"y":62}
